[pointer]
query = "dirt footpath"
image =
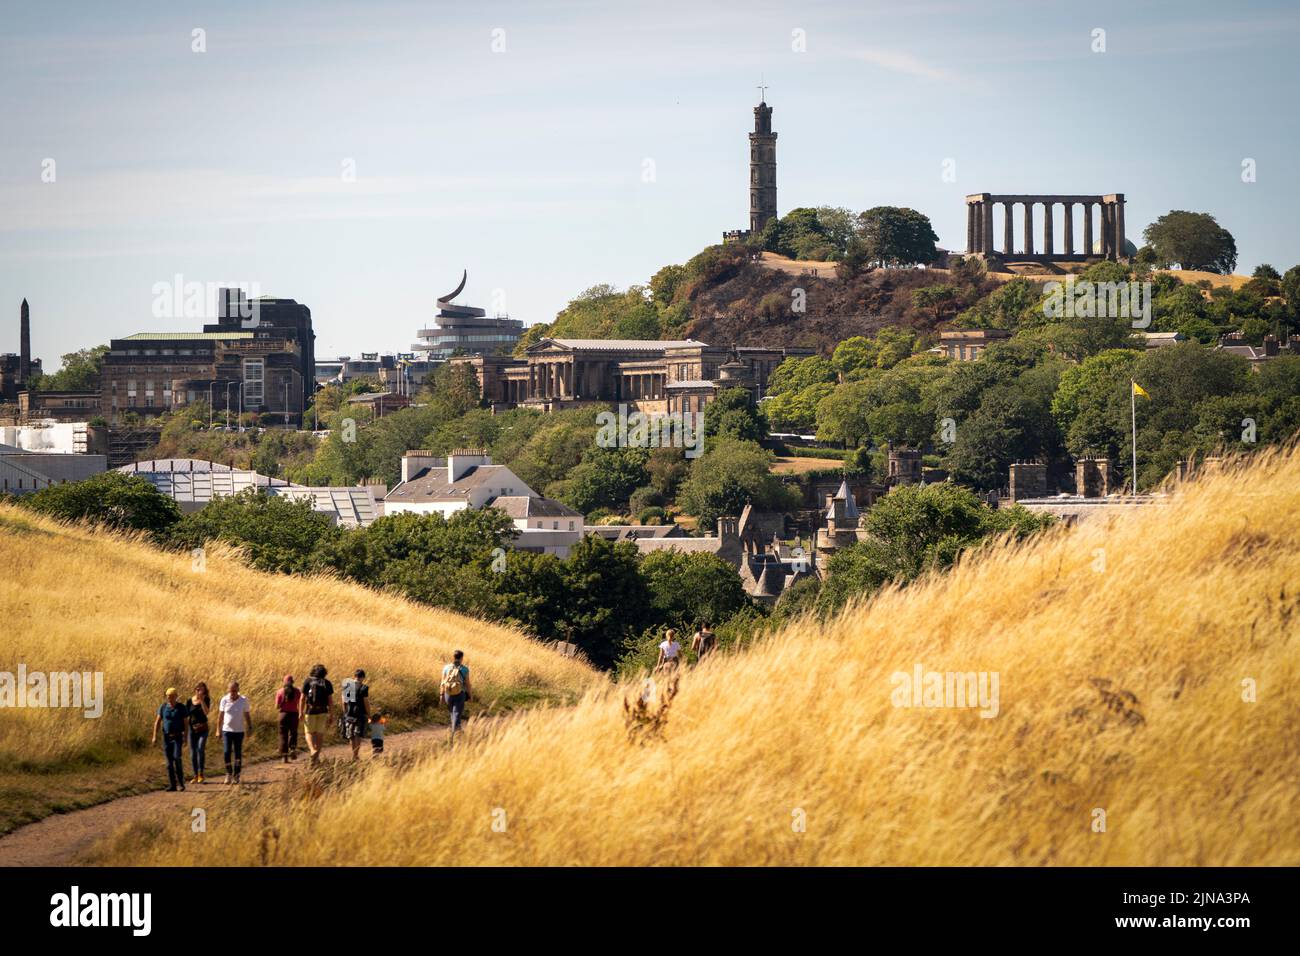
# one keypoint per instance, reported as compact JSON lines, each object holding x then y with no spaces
{"x":59,"y":840}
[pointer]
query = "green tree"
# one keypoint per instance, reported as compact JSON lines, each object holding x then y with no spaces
{"x":729,"y":476}
{"x":894,"y":236}
{"x":732,"y":414}
{"x":79,"y":372}
{"x":689,"y":589}
{"x":276,"y":533}
{"x":1191,"y":240}
{"x":113,"y":500}
{"x":601,"y":583}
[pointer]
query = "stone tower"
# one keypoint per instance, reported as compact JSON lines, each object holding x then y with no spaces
{"x":762,"y":169}
{"x":24,"y":344}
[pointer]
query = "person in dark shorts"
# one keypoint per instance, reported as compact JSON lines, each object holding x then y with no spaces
{"x":286,"y":705}
{"x":356,"y":711}
{"x":377,"y":723}
{"x":172,"y":718}
{"x":315,"y":706}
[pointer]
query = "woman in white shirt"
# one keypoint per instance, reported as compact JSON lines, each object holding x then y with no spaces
{"x":236,"y":721}
{"x":669,"y":651}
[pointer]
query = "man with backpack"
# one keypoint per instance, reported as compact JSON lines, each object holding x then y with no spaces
{"x":455,"y":689}
{"x":315,"y":706}
{"x":704,"y":642}
{"x":356,"y":711}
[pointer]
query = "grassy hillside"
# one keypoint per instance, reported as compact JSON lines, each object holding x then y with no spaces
{"x":1121,"y":651}
{"x":75,"y":599}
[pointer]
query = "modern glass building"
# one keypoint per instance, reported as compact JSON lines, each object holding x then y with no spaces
{"x":466,"y":330}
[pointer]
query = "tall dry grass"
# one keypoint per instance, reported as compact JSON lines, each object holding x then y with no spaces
{"x":1121,"y":648}
{"x":75,"y":599}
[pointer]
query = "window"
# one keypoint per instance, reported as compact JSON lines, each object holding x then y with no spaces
{"x":254,"y":382}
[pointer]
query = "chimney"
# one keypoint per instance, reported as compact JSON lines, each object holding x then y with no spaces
{"x":24,"y":343}
{"x":727,"y":528}
{"x":414,"y":462}
{"x":461,"y":460}
{"x":1028,"y":479}
{"x":1270,"y":345}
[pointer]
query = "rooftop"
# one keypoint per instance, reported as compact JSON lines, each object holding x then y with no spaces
{"x":184,"y":336}
{"x":522,"y":506}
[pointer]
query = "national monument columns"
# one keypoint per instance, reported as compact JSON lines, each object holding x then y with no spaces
{"x":979,"y":227}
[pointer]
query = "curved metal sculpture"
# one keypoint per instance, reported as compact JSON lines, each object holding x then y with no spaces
{"x":459,"y":289}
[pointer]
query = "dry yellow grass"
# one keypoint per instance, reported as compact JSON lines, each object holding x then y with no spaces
{"x":74,"y":599}
{"x":1121,"y":648}
{"x":797,"y":466}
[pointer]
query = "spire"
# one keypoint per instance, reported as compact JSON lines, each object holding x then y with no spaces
{"x":850,"y":505}
{"x":24,"y":343}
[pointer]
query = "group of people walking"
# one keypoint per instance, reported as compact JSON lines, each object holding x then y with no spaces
{"x":670,"y":650}
{"x":308,"y":709}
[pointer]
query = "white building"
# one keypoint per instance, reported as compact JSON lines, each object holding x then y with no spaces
{"x":193,"y":482}
{"x":467,"y":479}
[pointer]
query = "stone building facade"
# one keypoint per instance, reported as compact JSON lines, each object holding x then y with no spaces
{"x":665,"y":377}
{"x":258,"y":357}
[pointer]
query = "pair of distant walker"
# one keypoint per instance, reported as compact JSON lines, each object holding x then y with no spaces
{"x":670,"y":650}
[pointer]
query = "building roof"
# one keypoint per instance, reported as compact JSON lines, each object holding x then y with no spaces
{"x":522,"y":506}
{"x":614,"y":345}
{"x":195,"y":481}
{"x":431,"y":484}
{"x":692,"y":383}
{"x":850,"y":505}
{"x":635,"y":532}
{"x":963,"y":334}
{"x":351,"y":507}
{"x":183,"y":336}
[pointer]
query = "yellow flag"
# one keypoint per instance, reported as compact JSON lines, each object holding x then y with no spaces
{"x":1139,"y":390}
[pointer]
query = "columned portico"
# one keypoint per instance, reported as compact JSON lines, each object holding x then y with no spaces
{"x":979,"y":227}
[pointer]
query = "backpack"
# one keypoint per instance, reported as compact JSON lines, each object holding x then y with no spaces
{"x":317,"y":695}
{"x":452,"y":680}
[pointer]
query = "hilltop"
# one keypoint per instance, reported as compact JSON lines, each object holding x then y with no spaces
{"x":1145,"y":716}
{"x":76,"y":599}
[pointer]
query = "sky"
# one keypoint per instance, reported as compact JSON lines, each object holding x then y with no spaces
{"x":357,"y":156}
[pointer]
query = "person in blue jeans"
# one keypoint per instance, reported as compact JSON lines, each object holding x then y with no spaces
{"x":171,"y":719}
{"x":455,"y":689}
{"x":200,"y":708}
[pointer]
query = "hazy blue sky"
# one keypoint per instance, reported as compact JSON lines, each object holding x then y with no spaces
{"x":526,"y":166}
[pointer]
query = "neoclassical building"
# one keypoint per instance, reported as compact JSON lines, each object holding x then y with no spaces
{"x":656,"y":376}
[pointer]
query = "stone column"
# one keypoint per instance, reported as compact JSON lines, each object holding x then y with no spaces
{"x":1107,"y":231}
{"x":1069,"y":228}
{"x":1048,"y":239}
{"x":1008,"y":232}
{"x":988,"y":226}
{"x":1119,"y":225}
{"x":1087,"y":228}
{"x":970,"y":227}
{"x":1029,"y":227}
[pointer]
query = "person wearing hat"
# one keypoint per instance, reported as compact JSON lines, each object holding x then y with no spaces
{"x":355,"y":722}
{"x":171,"y":718}
{"x":286,"y":704}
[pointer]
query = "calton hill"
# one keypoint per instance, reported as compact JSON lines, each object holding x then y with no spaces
{"x":871,"y":295}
